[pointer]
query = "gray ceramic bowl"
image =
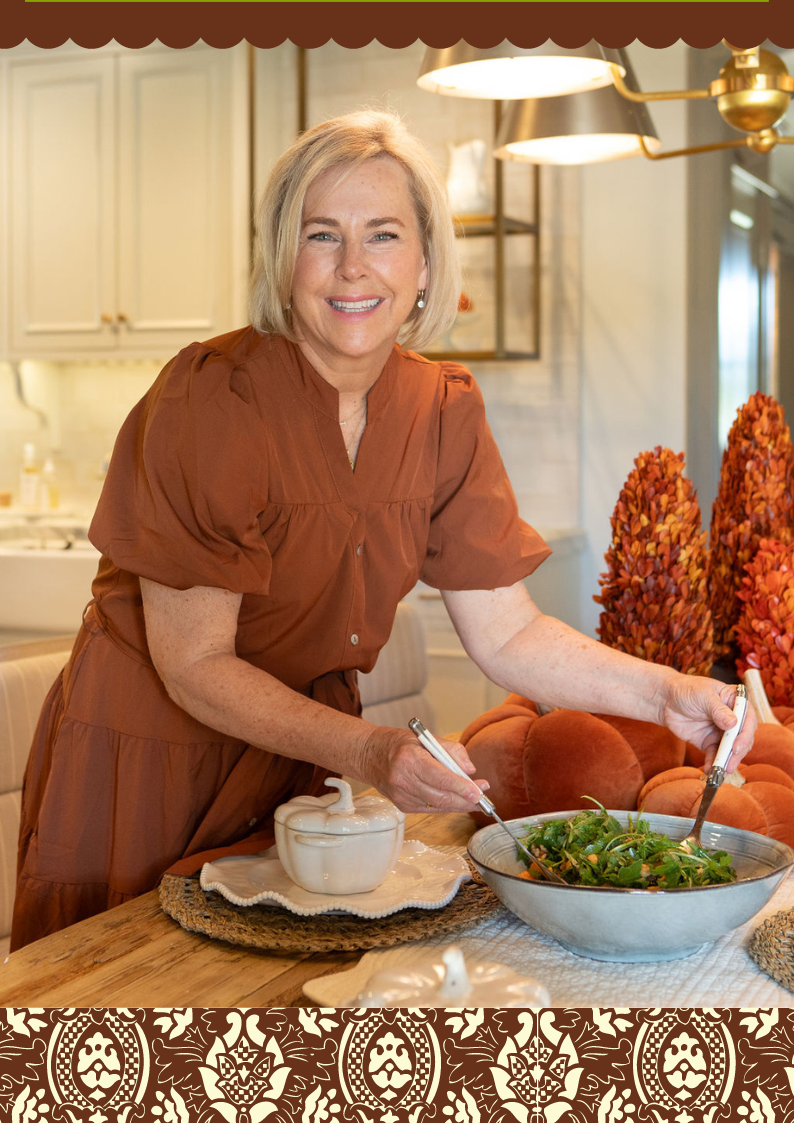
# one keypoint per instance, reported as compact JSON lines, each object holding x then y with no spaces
{"x":635,"y":925}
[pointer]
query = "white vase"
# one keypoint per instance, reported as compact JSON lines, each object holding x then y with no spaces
{"x":466,"y":186}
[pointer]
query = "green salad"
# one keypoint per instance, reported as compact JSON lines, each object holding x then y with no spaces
{"x":593,"y":848}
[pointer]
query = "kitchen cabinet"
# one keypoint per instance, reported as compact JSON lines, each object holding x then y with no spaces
{"x":129,"y":195}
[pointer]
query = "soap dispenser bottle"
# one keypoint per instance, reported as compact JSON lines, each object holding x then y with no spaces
{"x":50,"y":491}
{"x":29,"y":478}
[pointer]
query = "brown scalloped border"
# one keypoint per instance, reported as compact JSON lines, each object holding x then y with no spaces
{"x":395,"y":25}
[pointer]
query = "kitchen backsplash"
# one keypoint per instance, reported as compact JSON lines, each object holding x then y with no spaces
{"x":84,"y":405}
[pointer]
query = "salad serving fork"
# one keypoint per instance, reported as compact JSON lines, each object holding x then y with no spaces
{"x":437,"y":750}
{"x":717,"y":771}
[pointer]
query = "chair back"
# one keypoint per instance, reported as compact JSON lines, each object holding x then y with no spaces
{"x":27,"y":671}
{"x":394,"y":691}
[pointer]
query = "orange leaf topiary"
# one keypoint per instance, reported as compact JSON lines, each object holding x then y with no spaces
{"x":765,"y":631}
{"x":654,"y":596}
{"x":754,"y":501}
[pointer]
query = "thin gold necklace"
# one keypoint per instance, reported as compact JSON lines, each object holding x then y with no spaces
{"x":362,"y":412}
{"x":356,"y":414}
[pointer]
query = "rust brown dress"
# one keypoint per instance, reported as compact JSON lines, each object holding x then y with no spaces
{"x":232,"y":472}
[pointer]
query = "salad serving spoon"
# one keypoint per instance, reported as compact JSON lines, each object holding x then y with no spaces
{"x":437,"y":750}
{"x":717,"y":772}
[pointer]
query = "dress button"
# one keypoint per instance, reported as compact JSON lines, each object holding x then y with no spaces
{"x":354,"y":638}
{"x":358,"y":550}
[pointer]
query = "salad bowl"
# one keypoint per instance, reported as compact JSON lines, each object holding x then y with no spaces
{"x":635,"y":925}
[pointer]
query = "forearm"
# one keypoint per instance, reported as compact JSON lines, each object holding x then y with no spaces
{"x":550,"y":662}
{"x":191,"y":636}
{"x":240,"y":700}
{"x":540,"y":657}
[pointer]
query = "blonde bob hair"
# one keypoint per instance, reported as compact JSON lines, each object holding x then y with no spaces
{"x":343,"y":143}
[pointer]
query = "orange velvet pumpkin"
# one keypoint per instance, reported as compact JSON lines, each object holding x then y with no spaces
{"x":773,"y":744}
{"x":539,"y":762}
{"x":552,"y":762}
{"x":765,"y":803}
{"x":496,"y":742}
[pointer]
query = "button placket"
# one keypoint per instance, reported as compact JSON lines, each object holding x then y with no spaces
{"x":359,"y":527}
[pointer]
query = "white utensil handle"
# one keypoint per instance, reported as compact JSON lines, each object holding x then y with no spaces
{"x":730,"y":735}
{"x":439,"y":753}
{"x":435,"y":748}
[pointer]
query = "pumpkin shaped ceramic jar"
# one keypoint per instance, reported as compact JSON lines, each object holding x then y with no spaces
{"x":337,"y":844}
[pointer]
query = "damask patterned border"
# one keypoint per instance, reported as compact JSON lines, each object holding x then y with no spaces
{"x":397,"y":1066}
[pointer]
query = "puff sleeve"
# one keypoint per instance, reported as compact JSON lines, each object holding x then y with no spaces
{"x":187,"y":478}
{"x":477,"y":540}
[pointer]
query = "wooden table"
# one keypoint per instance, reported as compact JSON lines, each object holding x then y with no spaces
{"x":134,"y":955}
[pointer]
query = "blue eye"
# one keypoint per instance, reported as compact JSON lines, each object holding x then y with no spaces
{"x":385,"y":235}
{"x":321,"y":236}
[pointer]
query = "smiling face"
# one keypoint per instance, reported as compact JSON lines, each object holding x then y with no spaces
{"x":360,"y":264}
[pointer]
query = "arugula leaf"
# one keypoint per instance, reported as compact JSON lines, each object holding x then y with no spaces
{"x":593,"y":848}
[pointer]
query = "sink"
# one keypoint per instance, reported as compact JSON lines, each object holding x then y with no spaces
{"x":46,"y":570}
{"x":50,"y":543}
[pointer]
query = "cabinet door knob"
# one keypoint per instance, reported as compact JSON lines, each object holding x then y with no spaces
{"x":122,"y":318}
{"x":105,"y":318}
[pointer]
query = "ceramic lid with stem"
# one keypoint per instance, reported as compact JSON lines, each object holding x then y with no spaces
{"x":339,"y":812}
{"x":449,"y":984}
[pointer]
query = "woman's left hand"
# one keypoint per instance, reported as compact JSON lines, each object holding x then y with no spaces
{"x":700,"y":710}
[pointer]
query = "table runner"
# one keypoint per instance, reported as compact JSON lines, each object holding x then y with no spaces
{"x":722,"y":974}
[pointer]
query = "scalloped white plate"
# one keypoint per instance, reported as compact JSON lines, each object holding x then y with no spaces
{"x":421,"y":878}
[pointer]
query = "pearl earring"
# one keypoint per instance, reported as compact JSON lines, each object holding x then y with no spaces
{"x":420,"y":301}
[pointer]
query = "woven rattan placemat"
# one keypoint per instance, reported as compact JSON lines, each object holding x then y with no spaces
{"x":772,"y":947}
{"x":276,"y":929}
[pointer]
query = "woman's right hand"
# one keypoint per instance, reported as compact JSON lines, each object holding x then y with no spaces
{"x":403,"y":771}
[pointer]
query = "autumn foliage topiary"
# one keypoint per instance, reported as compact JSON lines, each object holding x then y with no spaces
{"x":765,"y":631}
{"x":654,"y":597}
{"x":754,"y":501}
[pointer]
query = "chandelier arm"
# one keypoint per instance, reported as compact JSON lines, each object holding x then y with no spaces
{"x":742,"y":143}
{"x":661,"y":95}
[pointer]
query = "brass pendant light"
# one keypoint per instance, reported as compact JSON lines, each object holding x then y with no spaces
{"x":752,"y":93}
{"x":576,"y":128}
{"x":505,"y":72}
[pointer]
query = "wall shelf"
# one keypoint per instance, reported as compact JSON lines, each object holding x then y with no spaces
{"x":504,"y":229}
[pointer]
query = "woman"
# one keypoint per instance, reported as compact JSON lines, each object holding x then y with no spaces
{"x":268,"y":503}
